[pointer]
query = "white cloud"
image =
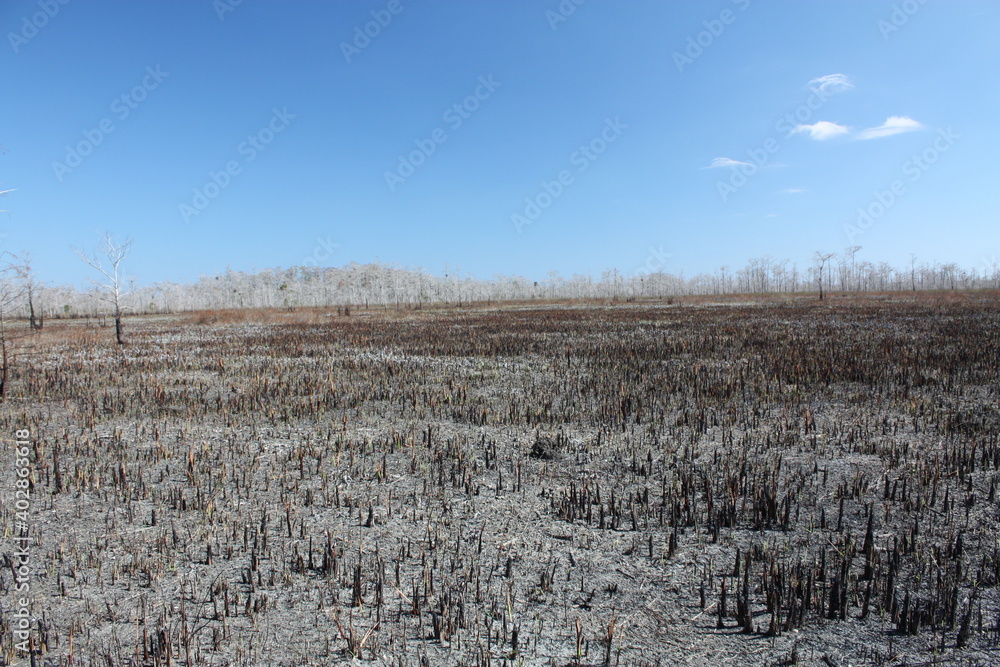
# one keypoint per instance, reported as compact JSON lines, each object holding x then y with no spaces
{"x":831,"y":83}
{"x":892,"y":125}
{"x":822,"y":130}
{"x":725,"y":162}
{"x":793,"y":191}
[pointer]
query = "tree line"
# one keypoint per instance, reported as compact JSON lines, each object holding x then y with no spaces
{"x":114,"y":292}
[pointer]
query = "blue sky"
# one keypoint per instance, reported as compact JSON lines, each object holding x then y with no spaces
{"x":264,"y":133}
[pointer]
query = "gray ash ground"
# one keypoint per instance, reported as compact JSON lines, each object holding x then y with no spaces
{"x":546,"y":486}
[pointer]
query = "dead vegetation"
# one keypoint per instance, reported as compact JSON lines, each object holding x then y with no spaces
{"x":637,"y":484}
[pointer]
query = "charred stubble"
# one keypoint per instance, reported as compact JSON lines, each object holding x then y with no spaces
{"x":600,"y":485}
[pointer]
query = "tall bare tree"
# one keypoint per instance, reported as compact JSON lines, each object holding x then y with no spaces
{"x":851,"y":251}
{"x":32,"y":288}
{"x":107,"y":260}
{"x":821,"y":259}
{"x":10,"y":292}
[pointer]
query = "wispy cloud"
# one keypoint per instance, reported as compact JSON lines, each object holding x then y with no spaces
{"x":831,"y":83}
{"x":892,"y":125}
{"x":725,"y":162}
{"x":793,"y":191}
{"x":822,"y":130}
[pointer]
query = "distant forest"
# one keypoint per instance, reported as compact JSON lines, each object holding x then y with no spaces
{"x":382,"y":285}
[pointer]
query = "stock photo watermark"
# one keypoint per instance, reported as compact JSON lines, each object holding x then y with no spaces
{"x":223,"y":7}
{"x":913,"y":170}
{"x":322,"y":253}
{"x":562,"y":13}
{"x":821,"y":89}
{"x":370,"y":30}
{"x":656,"y":262}
{"x":741,"y":172}
{"x":698,"y":43}
{"x":121,"y":108}
{"x":248,"y":150}
{"x":581,"y":159}
{"x":31,"y":25}
{"x":901,"y":14}
{"x":454,"y":116}
{"x":20,"y":559}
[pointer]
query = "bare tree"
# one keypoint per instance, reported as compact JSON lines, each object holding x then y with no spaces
{"x":852,"y":251}
{"x":948,"y":273}
{"x":821,"y":259}
{"x":10,"y":293}
{"x":107,"y":260}
{"x":32,"y":289}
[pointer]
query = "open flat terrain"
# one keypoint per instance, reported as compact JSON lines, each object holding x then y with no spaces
{"x":706,"y":482}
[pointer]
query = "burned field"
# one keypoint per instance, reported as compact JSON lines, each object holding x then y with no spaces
{"x":786,"y":482}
